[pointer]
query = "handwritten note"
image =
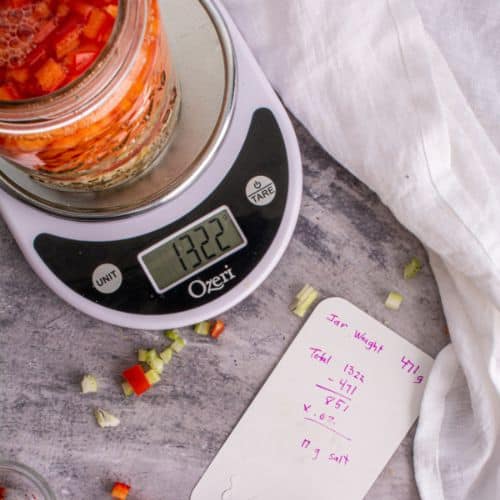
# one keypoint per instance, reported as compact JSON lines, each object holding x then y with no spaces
{"x":329,"y":417}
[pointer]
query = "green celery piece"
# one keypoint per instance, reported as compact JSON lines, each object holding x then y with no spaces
{"x":157,"y":365}
{"x":152,"y":376}
{"x":127,"y":389}
{"x":89,"y":384}
{"x":105,"y":419}
{"x":150,"y":355}
{"x":202,"y":328}
{"x":166,"y":355}
{"x":172,"y":335}
{"x":178,"y":345}
{"x":393,"y":301}
{"x":304,"y":300}
{"x":142,"y":355}
{"x":412,"y":268}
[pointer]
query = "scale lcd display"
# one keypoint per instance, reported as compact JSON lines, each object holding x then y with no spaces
{"x":192,"y":249}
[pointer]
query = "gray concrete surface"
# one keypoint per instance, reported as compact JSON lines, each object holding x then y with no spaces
{"x":346,"y":243}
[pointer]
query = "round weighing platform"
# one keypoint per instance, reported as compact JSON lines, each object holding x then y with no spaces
{"x":204,"y":63}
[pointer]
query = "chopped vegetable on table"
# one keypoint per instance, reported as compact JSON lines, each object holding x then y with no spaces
{"x":120,"y":491}
{"x":127,"y":389}
{"x":178,"y":345}
{"x":136,"y":377}
{"x":393,"y":301}
{"x":202,"y":328}
{"x":166,"y":355}
{"x":153,"y":376}
{"x":412,"y":268}
{"x":173,"y":335}
{"x":217,"y":329}
{"x":142,"y":355}
{"x":304,"y":300}
{"x":106,"y":419}
{"x":89,"y":384}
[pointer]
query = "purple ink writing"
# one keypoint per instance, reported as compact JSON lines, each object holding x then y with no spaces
{"x":332,"y":456}
{"x":337,"y":403}
{"x":319,"y":354}
{"x":354,"y":373}
{"x":412,"y":368}
{"x":370,"y":344}
{"x":349,"y":389}
{"x":336,"y":321}
{"x":339,"y":459}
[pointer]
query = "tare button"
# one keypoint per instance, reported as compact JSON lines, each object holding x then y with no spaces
{"x":107,"y":278}
{"x":260,"y":190}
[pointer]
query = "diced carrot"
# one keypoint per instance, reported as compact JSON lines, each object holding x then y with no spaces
{"x":120,"y":491}
{"x":50,"y":76}
{"x":96,"y":22}
{"x":30,"y":143}
{"x":112,"y":10}
{"x":20,"y":75}
{"x":62,"y":10}
{"x":68,"y":38}
{"x":8,"y":92}
{"x":82,"y":8}
{"x":217,"y":329}
{"x":42,"y":10}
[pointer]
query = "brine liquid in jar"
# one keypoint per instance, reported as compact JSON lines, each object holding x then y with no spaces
{"x":88,"y":97}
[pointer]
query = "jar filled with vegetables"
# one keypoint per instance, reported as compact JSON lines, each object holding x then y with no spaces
{"x":88,"y":96}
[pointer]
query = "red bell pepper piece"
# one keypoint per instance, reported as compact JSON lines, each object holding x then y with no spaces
{"x":3,"y":493}
{"x":136,"y":377}
{"x":217,"y":329}
{"x":120,"y":491}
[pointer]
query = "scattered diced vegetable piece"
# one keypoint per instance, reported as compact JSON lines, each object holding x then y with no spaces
{"x":105,"y":419}
{"x":217,"y":329}
{"x":304,"y":300}
{"x":127,"y":389}
{"x":157,"y":365}
{"x":136,"y":377}
{"x":154,"y":361}
{"x":89,"y":384}
{"x":393,"y":301}
{"x":166,"y":355}
{"x":153,"y":376}
{"x":202,"y":328}
{"x":412,"y":268}
{"x":120,"y":491}
{"x":172,"y":335}
{"x":3,"y":493}
{"x":178,"y":345}
{"x":142,"y":355}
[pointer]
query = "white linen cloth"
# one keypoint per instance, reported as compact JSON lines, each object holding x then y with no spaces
{"x":370,"y":84}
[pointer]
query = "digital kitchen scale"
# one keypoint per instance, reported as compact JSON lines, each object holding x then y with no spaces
{"x":202,"y":229}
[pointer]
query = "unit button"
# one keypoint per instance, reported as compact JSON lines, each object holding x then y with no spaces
{"x":107,"y":278}
{"x":261,"y":190}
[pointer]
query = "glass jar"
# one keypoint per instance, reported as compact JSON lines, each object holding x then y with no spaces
{"x":110,"y":124}
{"x":19,"y":481}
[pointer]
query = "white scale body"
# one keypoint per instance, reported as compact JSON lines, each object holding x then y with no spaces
{"x":251,"y":185}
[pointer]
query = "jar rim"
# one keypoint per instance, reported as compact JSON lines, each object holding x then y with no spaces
{"x":86,"y":93}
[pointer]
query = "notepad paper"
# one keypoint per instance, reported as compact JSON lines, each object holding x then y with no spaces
{"x":330,"y":416}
